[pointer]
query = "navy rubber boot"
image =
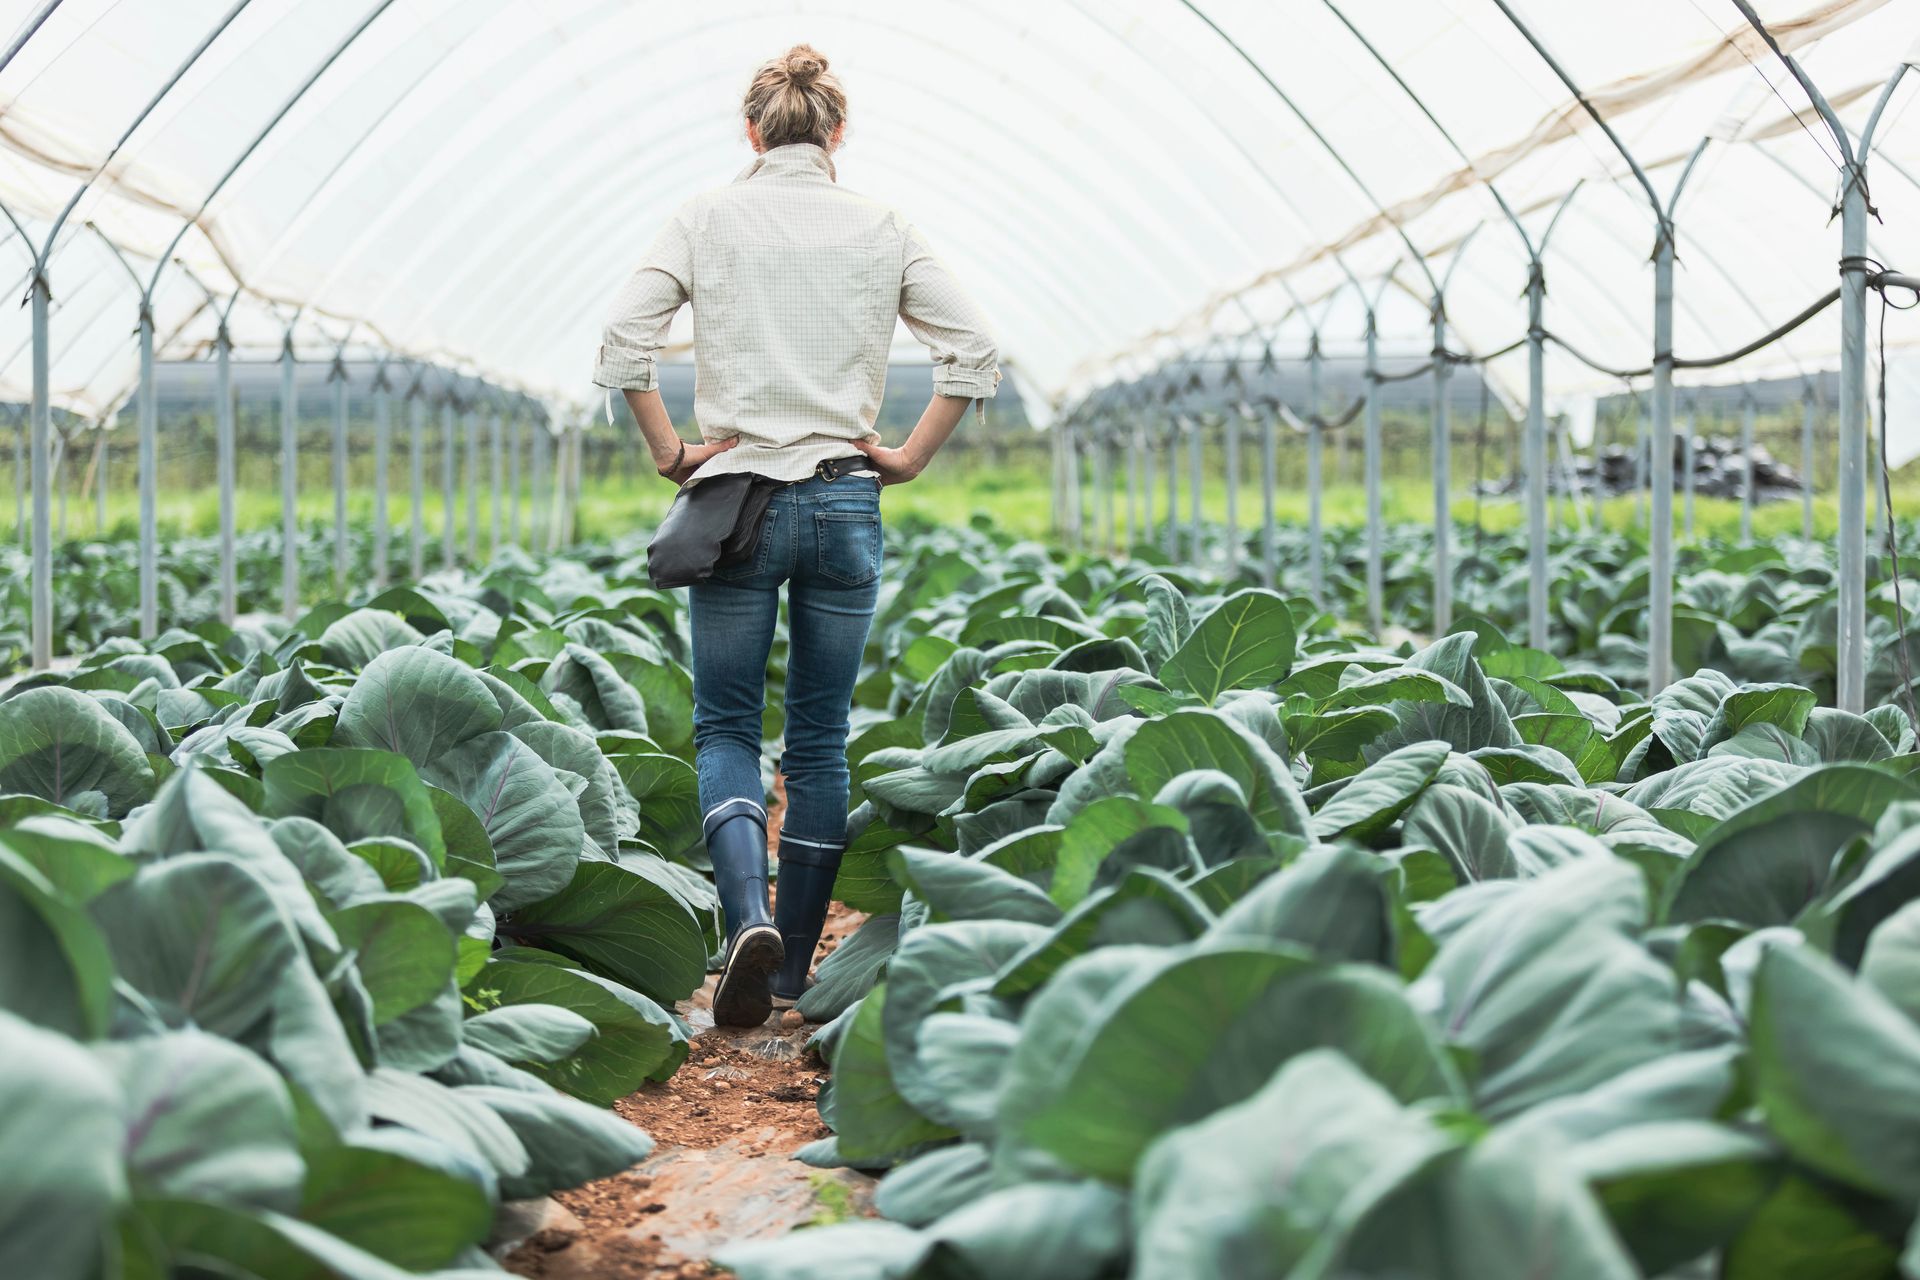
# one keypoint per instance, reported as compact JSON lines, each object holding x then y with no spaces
{"x":807,"y":873}
{"x":737,"y":846}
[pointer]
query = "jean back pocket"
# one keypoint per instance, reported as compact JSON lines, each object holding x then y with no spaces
{"x":849,"y":546}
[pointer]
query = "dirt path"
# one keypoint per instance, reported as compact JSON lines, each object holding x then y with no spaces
{"x":725,"y":1129}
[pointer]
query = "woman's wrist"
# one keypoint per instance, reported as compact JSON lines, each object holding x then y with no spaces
{"x":672,"y":464}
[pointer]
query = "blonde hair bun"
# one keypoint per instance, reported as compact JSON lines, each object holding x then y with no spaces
{"x":795,"y":98}
{"x":805,"y":64}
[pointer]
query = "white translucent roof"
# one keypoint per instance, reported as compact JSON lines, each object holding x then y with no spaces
{"x":469,"y":180}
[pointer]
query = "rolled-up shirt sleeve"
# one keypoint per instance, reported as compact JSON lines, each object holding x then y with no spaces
{"x":938,"y":312}
{"x":643,"y":311}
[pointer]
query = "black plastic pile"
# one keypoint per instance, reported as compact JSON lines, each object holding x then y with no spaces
{"x":1718,"y":472}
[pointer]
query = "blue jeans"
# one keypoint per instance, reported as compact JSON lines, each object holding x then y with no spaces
{"x":822,"y":538}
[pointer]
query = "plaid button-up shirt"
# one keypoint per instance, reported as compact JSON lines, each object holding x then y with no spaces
{"x":795,"y":283}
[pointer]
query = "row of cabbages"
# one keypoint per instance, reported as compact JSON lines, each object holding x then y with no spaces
{"x":318,"y":942}
{"x":1214,"y":941}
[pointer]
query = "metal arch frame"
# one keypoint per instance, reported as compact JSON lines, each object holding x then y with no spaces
{"x":903,"y":31}
{"x":613,"y":213}
{"x":1851,"y":686}
{"x":41,"y":606}
{"x":565,"y":294}
{"x":1660,"y":564}
{"x":511,"y":311}
{"x":1536,"y":445}
{"x":42,"y":602}
{"x":1375,"y":530}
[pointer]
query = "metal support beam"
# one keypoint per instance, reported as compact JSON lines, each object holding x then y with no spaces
{"x":342,"y":551}
{"x":498,"y":480}
{"x":1230,"y":427}
{"x":449,"y":479}
{"x":1143,"y":532}
{"x":417,"y":479}
{"x":1196,"y":533}
{"x":1134,"y":450}
{"x":1316,"y":551}
{"x":225,"y":461}
{"x":1171,"y":535}
{"x":1851,"y":675}
{"x":1535,"y":452}
{"x":542,"y":443}
{"x":289,"y":482}
{"x":513,"y":470}
{"x":100,"y":480}
{"x":1269,"y":495}
{"x":382,"y":464}
{"x":149,"y":483}
{"x":1660,"y":535}
{"x":1442,"y":477}
{"x":471,"y":421}
{"x":41,"y":450}
{"x":1376,"y":521}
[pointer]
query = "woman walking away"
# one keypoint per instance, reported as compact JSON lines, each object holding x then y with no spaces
{"x":794,"y":284}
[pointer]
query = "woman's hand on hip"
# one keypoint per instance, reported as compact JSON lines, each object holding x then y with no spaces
{"x":895,"y":466}
{"x":692,"y":457}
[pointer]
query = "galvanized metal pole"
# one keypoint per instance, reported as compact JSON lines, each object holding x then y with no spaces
{"x":149,"y":483}
{"x":542,"y":440}
{"x":1316,"y":553}
{"x":417,"y":479}
{"x":1269,"y":496}
{"x":471,"y":421}
{"x":1806,"y":468}
{"x":1149,"y":484}
{"x":1070,"y":483}
{"x":498,"y":480}
{"x":41,"y":450}
{"x":1172,"y":537}
{"x":1746,"y":472}
{"x":1660,"y":536}
{"x":1851,"y":676}
{"x":449,"y":478}
{"x":1376,"y":531}
{"x":513,"y":470}
{"x":1535,"y":451}
{"x":1062,"y":519}
{"x":100,"y":479}
{"x":224,"y":464}
{"x":1196,"y":461}
{"x":341,"y":557}
{"x":1134,"y":449}
{"x":1103,"y":481}
{"x":1230,"y":426}
{"x":382,"y":462}
{"x":289,"y":482}
{"x":576,"y":440}
{"x":1442,"y":477}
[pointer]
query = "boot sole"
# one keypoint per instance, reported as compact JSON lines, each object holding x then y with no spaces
{"x":744,"y":995}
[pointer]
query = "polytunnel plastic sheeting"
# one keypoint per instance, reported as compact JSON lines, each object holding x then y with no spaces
{"x":470,"y":180}
{"x":1753,"y":236}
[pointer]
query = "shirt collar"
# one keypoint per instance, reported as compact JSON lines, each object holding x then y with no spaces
{"x":795,"y":158}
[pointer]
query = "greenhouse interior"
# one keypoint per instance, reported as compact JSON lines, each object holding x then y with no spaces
{"x":803,"y":639}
